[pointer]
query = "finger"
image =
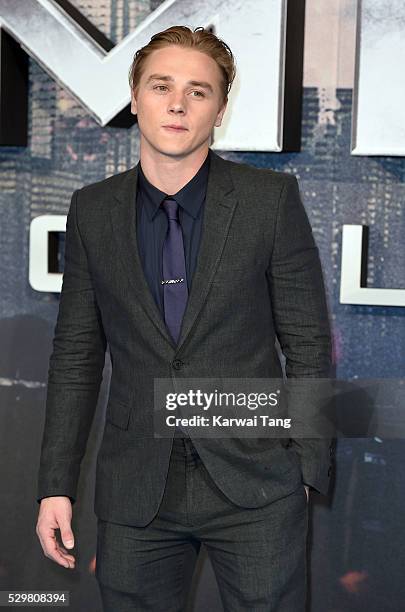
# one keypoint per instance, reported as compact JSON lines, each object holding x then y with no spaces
{"x":61,"y":550}
{"x":66,"y":532}
{"x":51,"y":549}
{"x":65,"y":553}
{"x":56,"y":556}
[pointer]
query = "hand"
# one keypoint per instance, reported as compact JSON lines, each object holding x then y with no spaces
{"x":56,"y":513}
{"x":307,"y":491}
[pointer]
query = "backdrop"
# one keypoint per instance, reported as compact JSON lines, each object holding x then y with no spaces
{"x":357,"y":537}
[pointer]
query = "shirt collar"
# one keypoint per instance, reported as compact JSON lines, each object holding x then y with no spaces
{"x":190,"y":197}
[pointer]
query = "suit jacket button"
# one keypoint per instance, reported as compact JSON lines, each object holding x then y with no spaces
{"x":177,"y":364}
{"x":329,"y":470}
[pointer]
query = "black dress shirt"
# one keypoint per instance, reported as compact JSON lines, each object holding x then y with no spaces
{"x":152,"y":226}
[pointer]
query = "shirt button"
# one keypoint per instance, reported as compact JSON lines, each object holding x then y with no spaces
{"x":177,"y":364}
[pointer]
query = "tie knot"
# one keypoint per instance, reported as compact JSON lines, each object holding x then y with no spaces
{"x":171,"y":208}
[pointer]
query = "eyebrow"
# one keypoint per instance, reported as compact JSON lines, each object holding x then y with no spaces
{"x":165,"y":77}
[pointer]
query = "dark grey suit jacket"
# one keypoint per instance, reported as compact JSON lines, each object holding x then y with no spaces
{"x":258,"y":277}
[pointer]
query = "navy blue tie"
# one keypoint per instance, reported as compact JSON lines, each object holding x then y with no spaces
{"x":175,"y":292}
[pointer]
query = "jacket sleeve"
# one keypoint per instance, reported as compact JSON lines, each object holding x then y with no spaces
{"x":302,"y":327}
{"x":75,"y":371}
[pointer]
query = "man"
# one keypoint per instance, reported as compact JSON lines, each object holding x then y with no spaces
{"x":187,"y":265}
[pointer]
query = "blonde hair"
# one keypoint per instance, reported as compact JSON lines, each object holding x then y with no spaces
{"x":200,"y":40}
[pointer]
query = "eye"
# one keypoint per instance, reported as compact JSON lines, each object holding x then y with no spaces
{"x":157,"y":86}
{"x":198,"y":92}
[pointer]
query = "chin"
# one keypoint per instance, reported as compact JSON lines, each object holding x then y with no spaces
{"x":168,"y":150}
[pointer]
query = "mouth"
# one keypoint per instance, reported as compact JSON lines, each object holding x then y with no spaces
{"x":175,"y":128}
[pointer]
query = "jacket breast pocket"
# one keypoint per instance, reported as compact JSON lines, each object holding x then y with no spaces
{"x":118,"y":414}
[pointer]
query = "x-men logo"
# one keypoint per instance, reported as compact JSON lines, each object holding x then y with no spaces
{"x":95,"y":72}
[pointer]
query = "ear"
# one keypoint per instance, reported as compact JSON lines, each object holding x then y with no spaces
{"x":218,"y":120}
{"x":134,"y":107}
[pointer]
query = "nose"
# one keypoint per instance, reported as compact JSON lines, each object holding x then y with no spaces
{"x":177,"y":104}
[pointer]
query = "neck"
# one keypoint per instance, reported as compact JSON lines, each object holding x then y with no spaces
{"x":170,"y":174}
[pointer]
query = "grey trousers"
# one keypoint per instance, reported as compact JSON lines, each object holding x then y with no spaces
{"x":258,"y":554}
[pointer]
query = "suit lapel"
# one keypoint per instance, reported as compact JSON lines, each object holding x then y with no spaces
{"x":220,"y":204}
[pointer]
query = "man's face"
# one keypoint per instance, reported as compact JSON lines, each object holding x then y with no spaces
{"x":178,"y":87}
